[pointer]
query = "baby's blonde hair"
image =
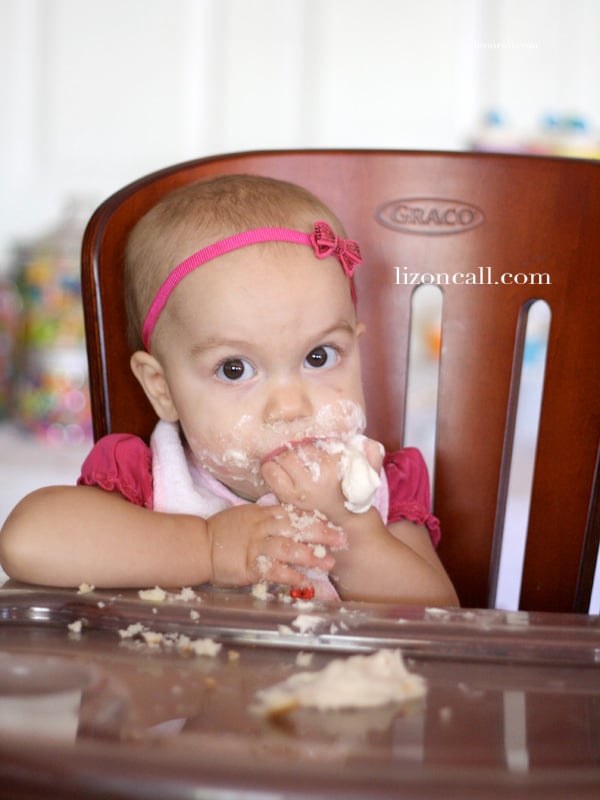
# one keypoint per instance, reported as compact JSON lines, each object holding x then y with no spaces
{"x":201,"y":213}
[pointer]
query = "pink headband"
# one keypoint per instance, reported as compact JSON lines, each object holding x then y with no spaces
{"x":323,"y":240}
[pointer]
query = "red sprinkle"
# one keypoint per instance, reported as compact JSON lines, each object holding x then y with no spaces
{"x":302,"y":592}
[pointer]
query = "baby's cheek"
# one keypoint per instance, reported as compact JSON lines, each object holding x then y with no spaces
{"x":226,"y":458}
{"x":341,"y":419}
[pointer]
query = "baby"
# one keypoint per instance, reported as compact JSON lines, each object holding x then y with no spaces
{"x":245,"y":339}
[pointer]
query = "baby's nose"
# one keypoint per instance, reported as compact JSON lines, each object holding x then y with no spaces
{"x":287,"y":401}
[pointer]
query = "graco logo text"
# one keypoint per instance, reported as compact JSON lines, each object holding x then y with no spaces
{"x":429,"y":215}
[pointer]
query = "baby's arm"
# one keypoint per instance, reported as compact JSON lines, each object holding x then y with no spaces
{"x":64,"y":535}
{"x":397,"y":564}
{"x":385,"y":564}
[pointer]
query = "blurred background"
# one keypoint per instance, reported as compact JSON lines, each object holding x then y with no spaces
{"x":96,"y":93}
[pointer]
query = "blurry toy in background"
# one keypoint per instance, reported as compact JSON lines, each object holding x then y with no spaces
{"x":51,"y":394}
{"x":10,"y":310}
{"x":566,"y":135}
{"x":558,"y":134}
{"x":495,"y":135}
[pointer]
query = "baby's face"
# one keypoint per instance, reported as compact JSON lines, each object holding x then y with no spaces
{"x":260,"y":351}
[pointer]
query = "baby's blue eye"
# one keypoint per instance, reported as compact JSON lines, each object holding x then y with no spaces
{"x":322,"y":356}
{"x":235,"y":369}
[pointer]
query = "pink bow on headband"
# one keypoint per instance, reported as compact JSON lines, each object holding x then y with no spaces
{"x":327,"y":243}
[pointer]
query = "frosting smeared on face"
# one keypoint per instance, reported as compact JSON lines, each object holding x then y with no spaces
{"x":240,"y":453}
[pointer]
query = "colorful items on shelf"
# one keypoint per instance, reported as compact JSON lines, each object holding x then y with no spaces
{"x":567,"y":135}
{"x":495,"y":135}
{"x":52,"y":398}
{"x":10,"y":308}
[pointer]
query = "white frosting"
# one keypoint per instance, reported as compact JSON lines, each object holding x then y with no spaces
{"x":359,"y":480}
{"x":307,"y":622}
{"x":157,"y":639}
{"x":356,"y":682}
{"x":241,"y":452}
{"x":156,"y":595}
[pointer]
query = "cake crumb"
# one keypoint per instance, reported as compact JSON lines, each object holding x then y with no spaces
{"x":263,"y":563}
{"x":186,"y":594}
{"x":75,"y":627}
{"x":320,"y":551}
{"x":205,"y":647}
{"x":436,"y":613}
{"x":152,"y":638}
{"x":85,"y":588}
{"x":304,"y":659}
{"x":261,"y":591}
{"x":304,"y":605}
{"x":307,"y":622}
{"x":183,"y":643}
{"x":284,"y":629}
{"x":356,"y":682}
{"x":132,"y":630}
{"x":156,"y":595}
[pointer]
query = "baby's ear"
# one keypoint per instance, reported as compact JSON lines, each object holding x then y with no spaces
{"x":151,"y":377}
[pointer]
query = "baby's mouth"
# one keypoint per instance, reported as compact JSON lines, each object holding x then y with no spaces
{"x":291,"y":445}
{"x":248,"y":450}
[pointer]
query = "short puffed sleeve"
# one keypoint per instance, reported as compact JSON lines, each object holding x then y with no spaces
{"x":410,"y":499}
{"x":120,"y":463}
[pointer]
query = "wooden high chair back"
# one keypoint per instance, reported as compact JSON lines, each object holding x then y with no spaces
{"x":438,"y":214}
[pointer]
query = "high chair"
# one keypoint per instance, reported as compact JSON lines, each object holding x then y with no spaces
{"x":497,"y":232}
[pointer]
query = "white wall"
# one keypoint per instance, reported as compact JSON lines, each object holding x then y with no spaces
{"x":95,"y":93}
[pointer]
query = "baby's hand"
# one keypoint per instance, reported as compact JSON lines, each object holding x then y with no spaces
{"x":252,"y":543}
{"x":309,"y":476}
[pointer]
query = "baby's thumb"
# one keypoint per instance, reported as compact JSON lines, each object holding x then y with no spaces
{"x":374,"y":452}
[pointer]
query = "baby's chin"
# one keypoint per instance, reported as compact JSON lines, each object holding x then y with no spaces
{"x":251,"y":493}
{"x":248,"y":488}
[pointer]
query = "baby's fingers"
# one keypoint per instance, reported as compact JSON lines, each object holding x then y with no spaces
{"x":287,"y":575}
{"x":292,"y":475}
{"x":313,"y":527}
{"x":301,"y":554}
{"x":279,"y":481}
{"x":285,"y":560}
{"x":374,"y":452}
